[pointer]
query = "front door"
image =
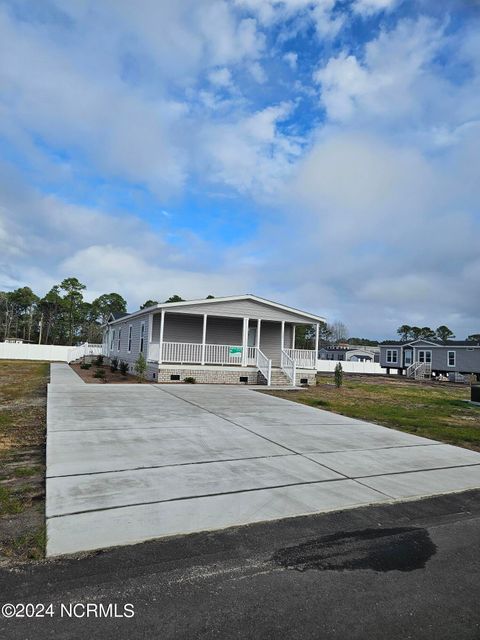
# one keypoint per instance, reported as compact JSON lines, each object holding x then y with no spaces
{"x":408,"y":357}
{"x":252,"y":336}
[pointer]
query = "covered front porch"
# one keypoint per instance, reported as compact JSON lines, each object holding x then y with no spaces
{"x":204,"y":339}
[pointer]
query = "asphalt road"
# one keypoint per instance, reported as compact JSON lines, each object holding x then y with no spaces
{"x":408,"y":570}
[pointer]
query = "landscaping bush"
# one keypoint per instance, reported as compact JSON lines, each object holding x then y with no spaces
{"x":123,"y":367}
{"x":99,"y":361}
{"x":99,"y":373}
{"x":141,"y":366}
{"x":85,"y":365}
{"x":189,"y":380}
{"x":114,"y":364}
{"x":338,"y":376}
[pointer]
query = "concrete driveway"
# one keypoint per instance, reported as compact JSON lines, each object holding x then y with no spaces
{"x":126,"y":463}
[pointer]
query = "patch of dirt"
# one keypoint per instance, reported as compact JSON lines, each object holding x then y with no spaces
{"x":87,"y":375}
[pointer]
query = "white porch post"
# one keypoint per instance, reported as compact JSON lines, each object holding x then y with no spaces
{"x":150,"y":333}
{"x":317,"y":331}
{"x":259,"y":324}
{"x":150,"y":327}
{"x":283,"y":335}
{"x":293,"y":336}
{"x":204,"y":336}
{"x":160,"y":346}
{"x":244,"y":342}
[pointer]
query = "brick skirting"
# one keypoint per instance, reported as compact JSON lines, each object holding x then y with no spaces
{"x":219,"y":375}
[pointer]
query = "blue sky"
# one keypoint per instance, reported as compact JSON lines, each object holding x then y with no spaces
{"x":320,"y":153}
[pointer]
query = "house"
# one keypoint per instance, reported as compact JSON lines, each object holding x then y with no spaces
{"x":353,"y":353}
{"x":430,"y":358}
{"x":231,"y":340}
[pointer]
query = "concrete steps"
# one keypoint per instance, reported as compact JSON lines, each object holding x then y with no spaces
{"x":278,"y":378}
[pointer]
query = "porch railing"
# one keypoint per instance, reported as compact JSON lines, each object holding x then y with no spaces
{"x":288,"y":366}
{"x":304,"y":358}
{"x":196,"y":353}
{"x":264,"y":365}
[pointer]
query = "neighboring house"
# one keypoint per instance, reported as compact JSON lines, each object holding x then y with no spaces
{"x":425,"y":358}
{"x":232,"y":340}
{"x":352,"y":353}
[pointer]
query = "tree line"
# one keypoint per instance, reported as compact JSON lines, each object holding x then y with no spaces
{"x":443,"y":333}
{"x":61,"y":316}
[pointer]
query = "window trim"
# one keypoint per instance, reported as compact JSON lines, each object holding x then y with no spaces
{"x":142,"y":337}
{"x":129,"y":342}
{"x":389,"y":355}
{"x":119,"y":341}
{"x":454,"y":359}
{"x":112,"y":343}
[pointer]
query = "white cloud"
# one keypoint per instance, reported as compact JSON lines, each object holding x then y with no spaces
{"x":320,"y":13}
{"x":251,"y":154}
{"x":257,"y":72}
{"x":393,"y":80}
{"x":291,"y":58}
{"x":220,"y":77}
{"x":119,"y":268}
{"x":369,"y":7}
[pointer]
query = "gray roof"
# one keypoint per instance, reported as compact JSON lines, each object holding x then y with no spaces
{"x":440,"y":343}
{"x":212,"y":301}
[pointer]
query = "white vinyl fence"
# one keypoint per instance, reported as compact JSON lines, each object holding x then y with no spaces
{"x":47,"y":352}
{"x":324,"y":366}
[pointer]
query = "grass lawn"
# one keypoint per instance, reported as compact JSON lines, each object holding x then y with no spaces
{"x":22,"y":459}
{"x":431,"y":410}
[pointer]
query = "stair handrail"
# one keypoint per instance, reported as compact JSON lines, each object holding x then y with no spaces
{"x":289,"y":367}
{"x":264,"y":365}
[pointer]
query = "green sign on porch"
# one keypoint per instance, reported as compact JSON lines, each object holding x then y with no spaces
{"x":236,"y":352}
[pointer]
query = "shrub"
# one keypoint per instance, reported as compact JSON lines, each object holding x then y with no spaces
{"x":338,"y":376}
{"x":123,"y":367}
{"x":189,"y":380}
{"x":85,"y":365}
{"x":99,"y":373}
{"x":99,"y":361}
{"x":141,"y":366}
{"x":114,"y":364}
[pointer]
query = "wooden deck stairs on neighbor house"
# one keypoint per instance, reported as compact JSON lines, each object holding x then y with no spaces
{"x":420,"y":371}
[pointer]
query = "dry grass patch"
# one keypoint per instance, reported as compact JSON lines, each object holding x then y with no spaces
{"x":431,"y":410}
{"x":22,"y":458}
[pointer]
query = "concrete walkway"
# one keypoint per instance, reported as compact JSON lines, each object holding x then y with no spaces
{"x":126,"y":463}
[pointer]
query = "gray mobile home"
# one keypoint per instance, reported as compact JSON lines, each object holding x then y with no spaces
{"x":237,"y":339}
{"x":351,"y":353}
{"x":425,"y":358}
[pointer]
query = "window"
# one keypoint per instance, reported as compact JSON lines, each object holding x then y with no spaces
{"x":119,"y":339}
{"x":112,"y":344}
{"x":451,"y":358}
{"x":392,"y":356}
{"x":425,"y":356}
{"x":142,"y":336}
{"x":129,"y":338}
